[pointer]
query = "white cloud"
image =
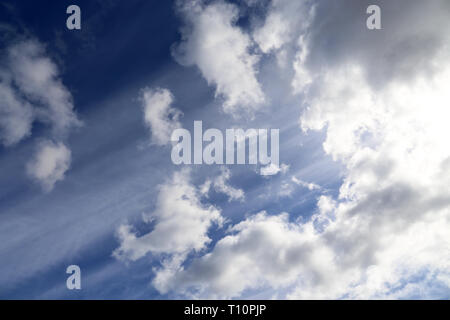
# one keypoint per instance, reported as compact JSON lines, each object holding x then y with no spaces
{"x":302,"y":76}
{"x":181,"y":226}
{"x":284,"y":21}
{"x":49,"y":164}
{"x":220,"y":184}
{"x":394,"y":192}
{"x":272,"y":169}
{"x":37,"y":78}
{"x":221,"y":50}
{"x":158,"y":114}
{"x":31,"y":90}
{"x":260,"y":251}
{"x":308,"y":185}
{"x":287,"y":187}
{"x":285,"y":33}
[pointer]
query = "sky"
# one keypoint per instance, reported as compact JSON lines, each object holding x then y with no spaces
{"x":358,"y":206}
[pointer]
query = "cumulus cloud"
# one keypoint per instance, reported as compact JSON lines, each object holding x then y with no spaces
{"x":181,"y":226}
{"x":159,"y":116}
{"x":181,"y":220}
{"x":36,"y":78}
{"x":49,"y":164}
{"x":222,"y":51}
{"x":261,"y":250}
{"x":220,"y":184}
{"x":31,"y":90}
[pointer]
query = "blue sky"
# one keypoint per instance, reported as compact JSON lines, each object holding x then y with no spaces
{"x":359,"y":207}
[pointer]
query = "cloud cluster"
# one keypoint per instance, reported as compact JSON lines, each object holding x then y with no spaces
{"x":381,"y":99}
{"x":31,"y":90}
{"x":182,"y":222}
{"x":181,"y":226}
{"x":159,"y":116}
{"x":259,"y":251}
{"x":222,"y":52}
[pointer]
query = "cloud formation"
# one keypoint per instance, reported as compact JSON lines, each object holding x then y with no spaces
{"x":222,"y":52}
{"x":31,"y":90}
{"x":159,"y":116}
{"x":284,"y":21}
{"x":49,"y":164}
{"x":31,"y":75}
{"x":181,"y":226}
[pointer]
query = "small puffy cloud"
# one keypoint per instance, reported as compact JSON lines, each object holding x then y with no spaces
{"x":220,"y":184}
{"x":159,"y":116}
{"x":182,"y":222}
{"x":272,"y":169}
{"x":49,"y":164}
{"x":222,"y":51}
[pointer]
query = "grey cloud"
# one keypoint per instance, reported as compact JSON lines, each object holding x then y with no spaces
{"x":412,"y":36}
